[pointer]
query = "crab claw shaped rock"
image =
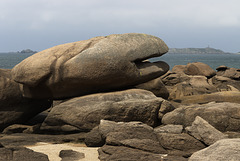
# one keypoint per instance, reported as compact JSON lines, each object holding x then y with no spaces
{"x":90,"y":66}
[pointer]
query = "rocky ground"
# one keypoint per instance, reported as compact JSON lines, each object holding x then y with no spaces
{"x":100,"y":100}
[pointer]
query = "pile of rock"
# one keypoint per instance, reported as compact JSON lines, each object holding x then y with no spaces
{"x":104,"y":92}
{"x":199,"y":83}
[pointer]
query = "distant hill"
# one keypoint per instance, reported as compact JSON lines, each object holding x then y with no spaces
{"x":27,"y":51}
{"x":207,"y":50}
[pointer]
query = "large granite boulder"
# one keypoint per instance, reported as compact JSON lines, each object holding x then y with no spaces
{"x":199,"y":68}
{"x":223,"y":116}
{"x":14,"y":108}
{"x":225,"y":149}
{"x":84,"y":113}
{"x":90,"y":66}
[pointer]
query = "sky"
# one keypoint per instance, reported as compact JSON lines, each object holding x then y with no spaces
{"x":41,"y":24}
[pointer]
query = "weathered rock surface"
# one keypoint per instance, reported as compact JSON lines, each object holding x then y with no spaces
{"x":90,"y":66}
{"x":156,"y":86}
{"x":116,"y":153}
{"x":223,"y":116}
{"x":21,"y":139}
{"x":226,"y":149}
{"x":204,"y":132}
{"x":14,"y":108}
{"x":199,"y":68}
{"x":124,"y":130}
{"x":126,"y":139}
{"x":133,"y":140}
{"x":15,"y":154}
{"x":16,"y":128}
{"x":166,"y":107}
{"x":84,"y":113}
{"x":232,"y":73}
{"x":180,"y":144}
{"x":224,"y":96}
{"x":174,"y":129}
{"x":225,"y":84}
{"x":172,"y":78}
{"x":133,"y":134}
{"x":196,"y":85}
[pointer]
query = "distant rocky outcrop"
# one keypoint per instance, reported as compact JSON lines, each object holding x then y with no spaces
{"x":206,"y":50}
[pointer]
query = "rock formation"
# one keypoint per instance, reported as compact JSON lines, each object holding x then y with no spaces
{"x":106,"y":94}
{"x":84,"y":113}
{"x":95,"y":65}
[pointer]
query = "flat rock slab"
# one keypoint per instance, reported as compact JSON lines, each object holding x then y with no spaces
{"x":204,"y":132}
{"x":90,"y":66}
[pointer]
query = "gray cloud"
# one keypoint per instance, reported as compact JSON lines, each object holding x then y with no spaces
{"x":40,"y":24}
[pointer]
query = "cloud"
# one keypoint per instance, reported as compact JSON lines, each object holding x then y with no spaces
{"x":41,"y":14}
{"x":67,"y":20}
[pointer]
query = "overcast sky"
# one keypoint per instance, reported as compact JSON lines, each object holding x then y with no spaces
{"x":41,"y":24}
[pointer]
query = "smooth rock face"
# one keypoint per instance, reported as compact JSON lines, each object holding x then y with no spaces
{"x":223,"y":116}
{"x":204,"y":132}
{"x":84,"y":113}
{"x":14,"y":108}
{"x":90,"y":66}
{"x":226,"y":149}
